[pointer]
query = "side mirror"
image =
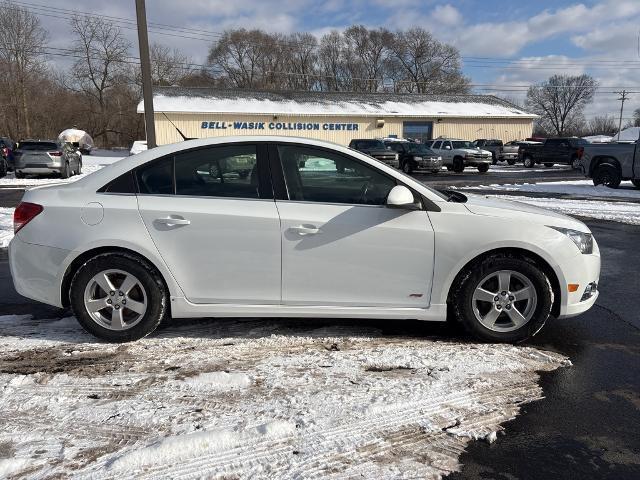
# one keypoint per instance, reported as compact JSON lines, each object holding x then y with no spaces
{"x":448,"y":147}
{"x":401,"y":197}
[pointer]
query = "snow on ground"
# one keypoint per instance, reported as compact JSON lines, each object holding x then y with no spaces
{"x":253,"y":399}
{"x":90,"y":163}
{"x":6,"y":226}
{"x":623,"y":212}
{"x":519,"y":168}
{"x":584,"y":188}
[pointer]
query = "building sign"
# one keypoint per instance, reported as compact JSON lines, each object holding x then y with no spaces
{"x":278,"y":126}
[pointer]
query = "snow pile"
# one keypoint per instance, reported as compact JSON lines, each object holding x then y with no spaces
{"x":622,"y":212}
{"x":598,"y":139}
{"x":583,"y":188}
{"x":630,"y":134}
{"x":326,"y":399}
{"x":6,"y":226}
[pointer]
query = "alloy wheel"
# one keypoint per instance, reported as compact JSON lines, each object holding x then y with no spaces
{"x":115,"y":299}
{"x":504,"y":301}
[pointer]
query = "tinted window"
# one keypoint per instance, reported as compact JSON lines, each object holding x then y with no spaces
{"x":396,"y":146}
{"x":319,"y":176}
{"x":437,"y":145}
{"x":553,"y":141}
{"x":39,"y":146}
{"x":371,"y":144}
{"x":156,"y":177}
{"x":461,"y":144}
{"x":228,"y":171}
{"x":494,"y":143}
{"x":419,"y":148}
{"x":123,"y":184}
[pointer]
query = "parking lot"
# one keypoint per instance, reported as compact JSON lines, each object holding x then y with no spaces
{"x":340,"y":398}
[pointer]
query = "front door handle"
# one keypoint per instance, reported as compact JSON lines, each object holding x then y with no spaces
{"x":173,"y":221}
{"x":303,"y":230}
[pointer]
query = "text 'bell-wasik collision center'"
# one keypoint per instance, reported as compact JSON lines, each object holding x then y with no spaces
{"x":334,"y":116}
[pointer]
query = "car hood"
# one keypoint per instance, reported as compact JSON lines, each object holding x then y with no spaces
{"x":474,"y":150}
{"x":495,"y":207}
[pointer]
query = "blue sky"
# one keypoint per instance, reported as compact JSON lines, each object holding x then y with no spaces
{"x":527,"y":41}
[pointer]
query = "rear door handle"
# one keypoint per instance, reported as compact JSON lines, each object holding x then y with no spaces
{"x":303,"y":230}
{"x":173,"y":221}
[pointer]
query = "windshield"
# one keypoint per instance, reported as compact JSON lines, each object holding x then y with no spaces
{"x":419,"y":148}
{"x":462,"y":144}
{"x":371,"y":144}
{"x":39,"y":146}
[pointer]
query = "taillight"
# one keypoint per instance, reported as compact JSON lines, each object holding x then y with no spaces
{"x":24,"y":213}
{"x":55,"y":154}
{"x":580,"y":152}
{"x":5,"y":152}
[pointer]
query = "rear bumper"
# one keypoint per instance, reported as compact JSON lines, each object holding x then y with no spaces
{"x":39,"y":170}
{"x":37,"y":270}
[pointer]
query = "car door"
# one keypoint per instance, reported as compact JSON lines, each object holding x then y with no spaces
{"x":211,"y":214}
{"x":341,"y":246}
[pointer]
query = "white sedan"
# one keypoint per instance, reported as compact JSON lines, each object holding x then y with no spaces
{"x":275,"y":227}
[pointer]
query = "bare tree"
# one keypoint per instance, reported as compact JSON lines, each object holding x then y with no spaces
{"x":366,"y":51}
{"x":299,"y":61}
{"x":560,"y":102}
{"x":423,"y":64}
{"x":602,"y":125}
{"x":101,"y":69}
{"x":21,"y":41}
{"x":169,"y":66}
{"x":331,"y":61}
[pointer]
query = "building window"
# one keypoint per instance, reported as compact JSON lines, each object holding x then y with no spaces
{"x":421,"y":131}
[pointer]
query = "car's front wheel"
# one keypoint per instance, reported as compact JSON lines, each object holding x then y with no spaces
{"x":528,"y":162}
{"x":118,"y":297}
{"x":66,"y":171}
{"x":458,"y":165}
{"x":484,"y":168}
{"x":503,"y":299}
{"x":4,"y":168}
{"x":407,"y":168}
{"x":636,"y":182}
{"x":607,"y":175}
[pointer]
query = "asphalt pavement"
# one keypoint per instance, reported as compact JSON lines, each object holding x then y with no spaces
{"x":586,"y":427}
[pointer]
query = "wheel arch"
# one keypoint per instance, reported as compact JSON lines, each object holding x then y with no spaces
{"x":513,"y":252}
{"x":599,"y":160}
{"x":77,"y":262}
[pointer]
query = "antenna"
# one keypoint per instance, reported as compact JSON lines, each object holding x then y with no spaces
{"x":174,"y":126}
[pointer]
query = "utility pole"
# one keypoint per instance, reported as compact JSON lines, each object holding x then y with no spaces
{"x":622,"y":99}
{"x":145,"y":64}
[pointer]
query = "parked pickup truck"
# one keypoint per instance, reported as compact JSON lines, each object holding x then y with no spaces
{"x":376,"y":149}
{"x":500,"y":152}
{"x":610,"y":163}
{"x":567,"y":151}
{"x":457,"y":154}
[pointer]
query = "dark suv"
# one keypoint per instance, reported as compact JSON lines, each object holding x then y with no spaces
{"x":415,"y":156}
{"x":376,"y":149}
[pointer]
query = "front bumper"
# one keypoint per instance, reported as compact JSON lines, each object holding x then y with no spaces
{"x":583,"y":270}
{"x":474,"y":162}
{"x":428,"y":164}
{"x":392,"y":162}
{"x":37,"y":270}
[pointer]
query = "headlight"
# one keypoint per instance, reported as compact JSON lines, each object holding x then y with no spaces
{"x":584,"y":241}
{"x":417,"y":159}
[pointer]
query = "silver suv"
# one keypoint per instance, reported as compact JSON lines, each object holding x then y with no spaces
{"x":44,"y":157}
{"x":457,"y":154}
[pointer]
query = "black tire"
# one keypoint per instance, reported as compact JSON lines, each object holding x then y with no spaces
{"x":66,"y":171}
{"x":636,"y":183}
{"x":79,"y":170}
{"x":458,"y":165}
{"x":19,"y":175}
{"x":484,"y":168}
{"x":4,"y":168}
{"x":462,"y":294}
{"x":494,"y":160}
{"x":575,"y":163}
{"x":407,"y":167}
{"x":435,"y":172}
{"x":528,"y":162}
{"x":548,"y":165}
{"x":511,"y":161}
{"x":151,"y":281}
{"x":607,"y":175}
{"x":449,"y":168}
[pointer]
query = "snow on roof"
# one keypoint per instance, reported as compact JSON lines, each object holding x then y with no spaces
{"x":205,"y":100}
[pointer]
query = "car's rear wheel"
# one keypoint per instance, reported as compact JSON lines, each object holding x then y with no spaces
{"x":19,"y":175}
{"x":79,"y":170}
{"x":528,"y":162}
{"x":458,"y":165}
{"x":636,"y":183}
{"x":3,"y":167}
{"x":503,"y":299}
{"x":484,"y":168}
{"x":118,"y":297}
{"x":607,"y":175}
